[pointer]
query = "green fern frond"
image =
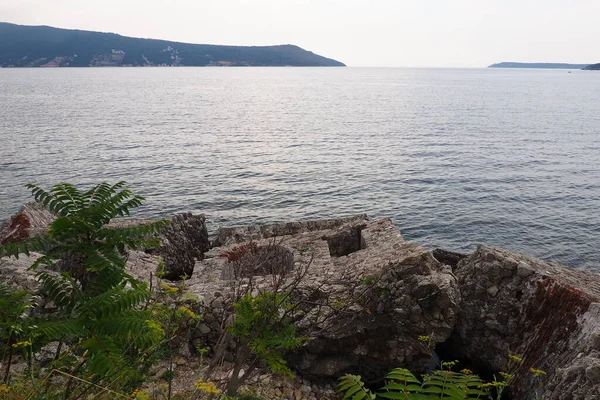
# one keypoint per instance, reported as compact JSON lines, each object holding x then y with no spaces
{"x":51,"y":256}
{"x":36,"y":244}
{"x":129,"y":299}
{"x":13,"y":304}
{"x":131,"y":327}
{"x":444,"y":384}
{"x":402,"y":384}
{"x":123,"y":234}
{"x":102,"y":192}
{"x":104,"y":356}
{"x":48,"y":200}
{"x":69,"y":195}
{"x":68,"y":227}
{"x":95,"y":194}
{"x":53,"y":329}
{"x":98,"y":258}
{"x":115,"y":301}
{"x":105,"y":280}
{"x":353,"y":388}
{"x":402,"y":375}
{"x":124,"y":208}
{"x":61,"y":289}
{"x":98,"y":302}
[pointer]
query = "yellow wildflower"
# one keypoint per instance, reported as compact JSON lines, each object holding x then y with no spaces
{"x":424,"y":339}
{"x":186,"y":312}
{"x":206,"y":387}
{"x":18,"y":345}
{"x":169,"y":289}
{"x":505,"y":376}
{"x":140,"y":395}
{"x":514,"y":358}
{"x":449,"y":364}
{"x":537,"y":372}
{"x":466,"y":371}
{"x":493,"y":384}
{"x":4,"y":388}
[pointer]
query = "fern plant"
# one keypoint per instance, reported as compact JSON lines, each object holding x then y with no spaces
{"x":79,"y":241}
{"x":98,"y":303}
{"x":400,"y":383}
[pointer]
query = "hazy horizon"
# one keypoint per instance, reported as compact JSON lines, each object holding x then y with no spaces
{"x":358,"y":33}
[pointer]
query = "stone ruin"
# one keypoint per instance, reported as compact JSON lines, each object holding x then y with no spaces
{"x":478,"y":308}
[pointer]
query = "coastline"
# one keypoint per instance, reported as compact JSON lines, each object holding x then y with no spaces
{"x":480,"y":307}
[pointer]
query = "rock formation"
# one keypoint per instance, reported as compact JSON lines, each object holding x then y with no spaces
{"x":32,"y":220}
{"x":183,"y":241}
{"x":401,"y":292}
{"x":546,"y":313}
{"x":482,"y":307}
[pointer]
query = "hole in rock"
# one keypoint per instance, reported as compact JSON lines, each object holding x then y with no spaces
{"x":345,"y":242}
{"x":252,"y":260}
{"x":447,"y":257}
{"x":519,"y":294}
{"x":447,"y":352}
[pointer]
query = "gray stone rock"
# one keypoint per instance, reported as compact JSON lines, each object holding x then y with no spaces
{"x":547,"y":314}
{"x":593,"y":372}
{"x":15,"y":272}
{"x":48,"y":353}
{"x":203,"y":328}
{"x":305,"y":389}
{"x":31,"y":221}
{"x":447,"y":257}
{"x":375,"y":263}
{"x":235,"y":235}
{"x":183,"y":242}
{"x":493,"y":291}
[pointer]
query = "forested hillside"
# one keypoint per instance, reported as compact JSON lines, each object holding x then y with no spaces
{"x":43,"y":46}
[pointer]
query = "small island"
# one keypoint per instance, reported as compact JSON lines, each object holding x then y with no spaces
{"x":44,"y":46}
{"x":538,"y":65}
{"x":593,"y":67}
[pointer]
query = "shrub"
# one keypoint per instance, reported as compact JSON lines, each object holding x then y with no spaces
{"x":98,"y":303}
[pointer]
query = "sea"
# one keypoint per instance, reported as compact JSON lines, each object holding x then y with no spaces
{"x":455,"y":157}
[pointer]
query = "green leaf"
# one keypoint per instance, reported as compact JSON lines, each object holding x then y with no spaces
{"x":394,"y":395}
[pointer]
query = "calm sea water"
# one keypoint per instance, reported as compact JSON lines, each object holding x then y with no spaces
{"x":455,"y":157}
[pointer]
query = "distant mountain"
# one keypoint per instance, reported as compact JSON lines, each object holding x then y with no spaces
{"x":593,"y":67}
{"x":44,"y":46}
{"x":538,"y":65}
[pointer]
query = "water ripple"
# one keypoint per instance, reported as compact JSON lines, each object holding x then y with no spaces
{"x":454,"y":157}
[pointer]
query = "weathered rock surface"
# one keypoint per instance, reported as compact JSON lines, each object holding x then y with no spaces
{"x":493,"y":304}
{"x":239,"y":234}
{"x":31,"y":221}
{"x":183,"y":242}
{"x":447,"y":257}
{"x":15,"y":273}
{"x":545,"y":313}
{"x":391,"y":293}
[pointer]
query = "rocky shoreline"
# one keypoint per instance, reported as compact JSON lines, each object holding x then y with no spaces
{"x":478,"y":308}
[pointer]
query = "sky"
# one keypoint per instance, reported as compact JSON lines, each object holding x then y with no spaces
{"x":379,"y":33}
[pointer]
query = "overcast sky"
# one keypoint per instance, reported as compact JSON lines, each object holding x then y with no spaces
{"x":434,"y":33}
